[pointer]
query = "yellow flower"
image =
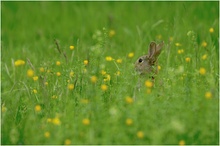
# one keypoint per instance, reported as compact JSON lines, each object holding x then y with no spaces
{"x":208,"y":95}
{"x":118,"y":73}
{"x":119,"y":60}
{"x":71,"y":74}
{"x":56,"y":121}
{"x":103,"y":72}
{"x":71,"y":47}
{"x":85,"y":62}
{"x":211,"y":30}
{"x":54,"y":96}
{"x":108,"y":58}
{"x":45,"y":83}
{"x":34,"y":91}
{"x":202,"y":71}
{"x":86,"y":121}
{"x":67,"y":142}
{"x":42,"y":69}
{"x":3,"y":109}
{"x":93,"y":79}
{"x":129,"y":122}
{"x":47,"y":134}
{"x":70,"y":86}
{"x":111,"y":33}
{"x":204,"y":44}
{"x":148,"y":84}
{"x":187,"y":59}
{"x":159,"y":67}
{"x":48,"y":71}
{"x":180,"y":51}
{"x":178,"y":44}
{"x":140,"y":134}
{"x":35,"y":78}
{"x":37,"y":108}
{"x":58,"y":74}
{"x":181,"y":142}
{"x":108,"y":78}
{"x":19,"y":62}
{"x":30,"y":73}
{"x":129,"y":100}
{"x":104,"y":87}
{"x":58,"y":63}
{"x":130,"y":55}
{"x":204,"y":57}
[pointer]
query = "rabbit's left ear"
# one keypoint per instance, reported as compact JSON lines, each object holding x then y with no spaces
{"x":152,"y":49}
{"x":159,"y":48}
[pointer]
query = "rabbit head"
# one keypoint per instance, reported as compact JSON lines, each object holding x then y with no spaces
{"x":145,"y":64}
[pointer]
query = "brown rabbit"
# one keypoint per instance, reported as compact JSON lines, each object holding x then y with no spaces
{"x":148,"y":63}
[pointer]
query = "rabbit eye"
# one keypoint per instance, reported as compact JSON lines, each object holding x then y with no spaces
{"x":140,"y":60}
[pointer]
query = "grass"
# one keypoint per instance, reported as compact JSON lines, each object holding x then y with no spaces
{"x":90,"y":100}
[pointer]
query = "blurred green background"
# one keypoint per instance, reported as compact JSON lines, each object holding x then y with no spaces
{"x":178,"y":112}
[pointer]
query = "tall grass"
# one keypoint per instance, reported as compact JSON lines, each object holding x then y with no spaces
{"x":67,"y":73}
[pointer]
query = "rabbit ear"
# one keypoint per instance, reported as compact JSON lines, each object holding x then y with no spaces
{"x":159,"y":48}
{"x":152,"y":49}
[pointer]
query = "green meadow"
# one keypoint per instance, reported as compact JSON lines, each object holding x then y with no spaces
{"x":68,"y":76}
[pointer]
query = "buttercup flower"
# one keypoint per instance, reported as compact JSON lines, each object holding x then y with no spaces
{"x":208,"y":95}
{"x":181,"y":142}
{"x":130,"y":55}
{"x":85,"y":62}
{"x":93,"y":79}
{"x":129,"y":100}
{"x":71,"y":47}
{"x":19,"y":62}
{"x":178,"y":44}
{"x":58,"y":63}
{"x":56,"y":121}
{"x":180,"y":51}
{"x":30,"y":73}
{"x":86,"y":121}
{"x":202,"y":71}
{"x":67,"y":142}
{"x":71,"y":74}
{"x":47,"y":134}
{"x":140,"y":134}
{"x":119,"y":60}
{"x":35,"y":78}
{"x":187,"y":59}
{"x":34,"y":91}
{"x":204,"y":57}
{"x":104,"y":87}
{"x":108,"y":58}
{"x":37,"y":108}
{"x":204,"y":44}
{"x":159,"y":67}
{"x":148,"y":84}
{"x":211,"y":30}
{"x":70,"y":86}
{"x":58,"y":74}
{"x":129,"y":121}
{"x":42,"y":69}
{"x":111,"y":33}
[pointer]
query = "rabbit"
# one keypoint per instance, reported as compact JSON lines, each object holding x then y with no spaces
{"x":147,"y":64}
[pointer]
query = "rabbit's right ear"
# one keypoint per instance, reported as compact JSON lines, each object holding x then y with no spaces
{"x":152,"y":49}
